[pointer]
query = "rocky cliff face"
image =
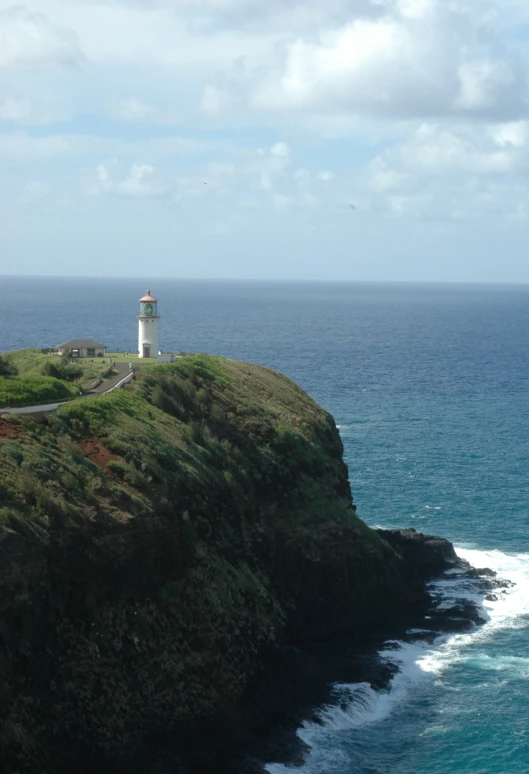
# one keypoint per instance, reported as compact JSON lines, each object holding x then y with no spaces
{"x":163,"y":545}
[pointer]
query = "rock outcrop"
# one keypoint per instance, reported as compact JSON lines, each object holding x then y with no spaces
{"x":424,"y":555}
{"x":164,"y":548}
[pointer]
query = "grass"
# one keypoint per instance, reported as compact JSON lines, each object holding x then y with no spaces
{"x":121,"y":357}
{"x":204,"y":427}
{"x":27,"y":362}
{"x":205,"y":436}
{"x":34,"y":389}
{"x":154,"y":541}
{"x":28,"y":369}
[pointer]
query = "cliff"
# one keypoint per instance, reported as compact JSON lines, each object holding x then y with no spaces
{"x":162,"y":546}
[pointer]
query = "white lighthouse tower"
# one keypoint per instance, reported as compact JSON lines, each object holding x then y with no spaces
{"x":148,"y":339}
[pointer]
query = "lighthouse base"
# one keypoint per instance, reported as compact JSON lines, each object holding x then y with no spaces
{"x":148,"y":339}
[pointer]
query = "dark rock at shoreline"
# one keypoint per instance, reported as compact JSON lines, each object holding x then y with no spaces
{"x":424,"y":555}
{"x":482,"y":572}
{"x":182,"y":573}
{"x":355,"y":660}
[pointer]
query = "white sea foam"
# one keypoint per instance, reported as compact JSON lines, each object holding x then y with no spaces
{"x":508,"y":611}
{"x":358,"y":705}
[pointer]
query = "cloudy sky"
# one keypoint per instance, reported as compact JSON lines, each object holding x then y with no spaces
{"x":319,"y":139}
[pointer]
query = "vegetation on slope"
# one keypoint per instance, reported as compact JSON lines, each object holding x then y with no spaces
{"x":156,"y":543}
{"x":30,"y":376}
{"x":181,"y":428}
{"x":34,"y":389}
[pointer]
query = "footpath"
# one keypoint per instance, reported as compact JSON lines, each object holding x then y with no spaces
{"x":122,"y":371}
{"x":124,"y":376}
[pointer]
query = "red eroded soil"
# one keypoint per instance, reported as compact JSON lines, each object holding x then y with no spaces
{"x":7,"y":428}
{"x":96,"y":452}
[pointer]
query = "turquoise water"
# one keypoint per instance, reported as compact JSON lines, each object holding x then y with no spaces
{"x":429,"y":386}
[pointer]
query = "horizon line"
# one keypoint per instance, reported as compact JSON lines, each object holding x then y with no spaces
{"x":267,"y":280}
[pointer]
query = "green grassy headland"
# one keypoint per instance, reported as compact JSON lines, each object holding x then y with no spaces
{"x":158,"y":544}
{"x":168,"y":424}
{"x":27,"y":376}
{"x":121,"y":357}
{"x":30,"y":377}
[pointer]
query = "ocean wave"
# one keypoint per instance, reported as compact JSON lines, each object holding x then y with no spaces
{"x":358,"y":705}
{"x":504,"y":609}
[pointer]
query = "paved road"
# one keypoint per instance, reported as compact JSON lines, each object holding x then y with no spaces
{"x":122,"y":369}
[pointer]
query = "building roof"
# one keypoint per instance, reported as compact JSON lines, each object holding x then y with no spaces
{"x":148,"y":299}
{"x":81,"y":344}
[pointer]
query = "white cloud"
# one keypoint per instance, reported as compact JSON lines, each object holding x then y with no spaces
{"x":30,"y":40}
{"x":485,"y":83}
{"x":434,"y":150}
{"x":513,"y":134}
{"x":213,"y":99}
{"x":25,"y":112}
{"x":302,"y":178}
{"x":22,"y":147}
{"x":154,"y":35}
{"x":140,"y":181}
{"x":282,"y":202}
{"x":453,"y":173}
{"x":280,"y":150}
{"x":33,"y":191}
{"x":419,"y":108}
{"x":468,"y":202}
{"x":102,"y":175}
{"x":416,"y":9}
{"x":422,"y":58}
{"x":15,"y":110}
{"x":384,"y":178}
{"x":185,"y":146}
{"x":270,"y":167}
{"x":134,"y":110}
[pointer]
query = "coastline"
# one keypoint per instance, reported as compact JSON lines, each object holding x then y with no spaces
{"x":198,"y":575}
{"x":359,"y":660}
{"x":299,"y":686}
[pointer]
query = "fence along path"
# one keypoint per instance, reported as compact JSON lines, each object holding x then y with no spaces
{"x":123,"y":377}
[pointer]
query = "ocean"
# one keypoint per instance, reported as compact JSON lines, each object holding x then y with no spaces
{"x":429,"y":385}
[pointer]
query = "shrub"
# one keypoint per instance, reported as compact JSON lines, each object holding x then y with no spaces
{"x":196,"y":432}
{"x":15,"y":522}
{"x":13,"y":452}
{"x":45,"y":502}
{"x":60,"y":369}
{"x":166,"y":403}
{"x":6,"y":369}
{"x":217,"y":414}
{"x":204,"y":397}
{"x":27,"y":487}
{"x":69,"y":481}
{"x":190,"y":392}
{"x":34,"y":389}
{"x":129,"y":473}
{"x":118,"y":467}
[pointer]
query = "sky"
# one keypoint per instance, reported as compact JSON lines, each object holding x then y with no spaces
{"x":265,"y":139}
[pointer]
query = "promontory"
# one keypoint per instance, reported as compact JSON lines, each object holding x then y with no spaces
{"x":162,"y":549}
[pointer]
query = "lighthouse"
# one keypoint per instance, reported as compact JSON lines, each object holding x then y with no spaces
{"x":148,"y":340}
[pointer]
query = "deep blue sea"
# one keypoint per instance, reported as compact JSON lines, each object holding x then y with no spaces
{"x":429,"y":385}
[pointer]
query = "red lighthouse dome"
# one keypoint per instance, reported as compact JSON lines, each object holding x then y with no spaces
{"x":148,"y":299}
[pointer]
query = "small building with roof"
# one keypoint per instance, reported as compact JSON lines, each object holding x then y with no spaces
{"x":82,"y":348}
